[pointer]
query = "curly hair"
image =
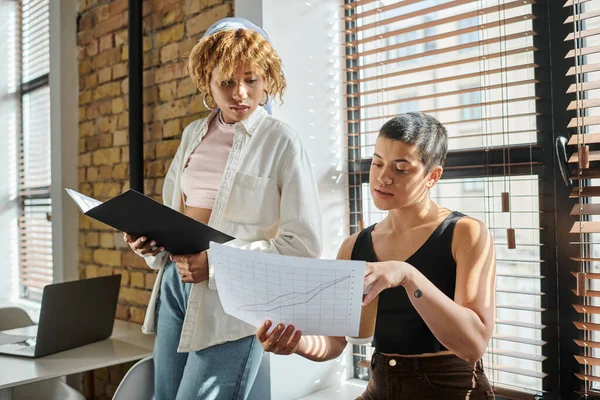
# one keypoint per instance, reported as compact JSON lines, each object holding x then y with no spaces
{"x":230,"y":49}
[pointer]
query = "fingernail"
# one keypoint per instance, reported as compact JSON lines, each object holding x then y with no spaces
{"x":143,"y":239}
{"x":162,"y":249}
{"x":152,"y":243}
{"x":268,"y":323}
{"x":280,"y":326}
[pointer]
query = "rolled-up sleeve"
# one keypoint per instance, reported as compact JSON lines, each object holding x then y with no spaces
{"x":158,"y":261}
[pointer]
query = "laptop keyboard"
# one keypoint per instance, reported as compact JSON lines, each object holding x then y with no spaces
{"x":26,"y":346}
{"x":28,"y":342}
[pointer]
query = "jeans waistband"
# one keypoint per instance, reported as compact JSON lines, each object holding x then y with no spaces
{"x":432,"y":363}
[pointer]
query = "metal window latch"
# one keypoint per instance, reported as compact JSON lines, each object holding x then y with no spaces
{"x":563,"y":161}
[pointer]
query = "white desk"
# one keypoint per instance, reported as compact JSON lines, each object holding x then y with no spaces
{"x":127,"y":343}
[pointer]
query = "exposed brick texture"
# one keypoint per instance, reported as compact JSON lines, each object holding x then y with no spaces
{"x":171,"y":28}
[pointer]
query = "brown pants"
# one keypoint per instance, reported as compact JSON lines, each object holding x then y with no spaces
{"x":445,"y":377}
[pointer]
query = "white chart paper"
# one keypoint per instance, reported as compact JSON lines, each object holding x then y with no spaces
{"x":319,"y":297}
{"x":84,"y":202}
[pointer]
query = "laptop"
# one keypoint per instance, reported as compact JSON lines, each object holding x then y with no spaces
{"x":72,"y":314}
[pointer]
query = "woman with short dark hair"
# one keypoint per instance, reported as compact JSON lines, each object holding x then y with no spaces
{"x":433,"y":270}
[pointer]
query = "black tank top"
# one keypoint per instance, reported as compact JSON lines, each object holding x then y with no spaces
{"x":399,"y":328}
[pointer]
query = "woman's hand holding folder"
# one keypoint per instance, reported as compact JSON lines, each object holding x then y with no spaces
{"x":193,"y":268}
{"x":142,"y":246}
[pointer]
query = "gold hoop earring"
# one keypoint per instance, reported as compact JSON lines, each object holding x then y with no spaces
{"x":266,"y":101}
{"x":206,"y":104}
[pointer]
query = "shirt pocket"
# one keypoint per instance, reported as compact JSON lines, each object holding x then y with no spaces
{"x":253,"y":200}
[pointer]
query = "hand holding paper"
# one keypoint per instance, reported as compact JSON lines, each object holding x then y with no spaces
{"x":318,"y":297}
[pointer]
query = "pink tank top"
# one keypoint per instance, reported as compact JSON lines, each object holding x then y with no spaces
{"x":202,"y":175}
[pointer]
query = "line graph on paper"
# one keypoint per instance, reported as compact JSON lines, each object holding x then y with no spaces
{"x":316,"y":296}
{"x":292,"y":299}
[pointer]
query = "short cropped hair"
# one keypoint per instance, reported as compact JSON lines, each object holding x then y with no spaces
{"x":420,"y":130}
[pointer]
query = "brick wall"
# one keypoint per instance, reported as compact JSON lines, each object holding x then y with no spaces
{"x":171,"y":102}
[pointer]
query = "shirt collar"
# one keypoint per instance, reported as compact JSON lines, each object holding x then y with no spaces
{"x":249,"y":124}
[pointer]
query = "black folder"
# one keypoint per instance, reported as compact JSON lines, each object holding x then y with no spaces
{"x":139,"y":215}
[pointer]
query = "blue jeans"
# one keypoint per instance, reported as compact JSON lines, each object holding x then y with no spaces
{"x":224,"y":371}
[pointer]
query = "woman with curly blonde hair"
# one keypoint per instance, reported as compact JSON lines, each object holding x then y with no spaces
{"x":243,"y":172}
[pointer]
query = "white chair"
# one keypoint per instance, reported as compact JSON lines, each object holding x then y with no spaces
{"x":14,"y":317}
{"x":138,"y":382}
{"x":51,"y":389}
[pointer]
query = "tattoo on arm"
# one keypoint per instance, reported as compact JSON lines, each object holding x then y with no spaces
{"x":418,"y":293}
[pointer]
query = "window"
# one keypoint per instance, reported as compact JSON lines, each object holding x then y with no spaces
{"x":474,"y":71}
{"x":472,"y":185}
{"x":472,"y":109}
{"x":428,"y":32}
{"x":28,"y":120}
{"x":468,"y":24}
{"x":404,"y":51}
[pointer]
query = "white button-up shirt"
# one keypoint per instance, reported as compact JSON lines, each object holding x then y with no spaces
{"x":267,"y":200}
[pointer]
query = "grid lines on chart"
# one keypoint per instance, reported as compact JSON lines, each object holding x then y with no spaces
{"x":314,"y":297}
